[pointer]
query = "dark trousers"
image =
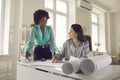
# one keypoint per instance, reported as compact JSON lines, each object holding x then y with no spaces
{"x":40,"y":53}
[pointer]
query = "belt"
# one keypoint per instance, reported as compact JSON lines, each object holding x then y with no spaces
{"x":42,"y":46}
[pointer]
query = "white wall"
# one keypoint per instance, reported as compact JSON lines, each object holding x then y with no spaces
{"x":29,"y":7}
{"x":115,"y":33}
{"x":9,"y":72}
{"x":83,"y":18}
{"x":72,"y":12}
{"x":15,"y":23}
{"x":108,"y":32}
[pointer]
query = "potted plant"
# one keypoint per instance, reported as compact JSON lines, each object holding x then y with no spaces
{"x":32,"y":25}
{"x":97,"y":44}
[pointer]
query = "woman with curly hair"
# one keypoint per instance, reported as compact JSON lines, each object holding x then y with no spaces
{"x":42,"y":36}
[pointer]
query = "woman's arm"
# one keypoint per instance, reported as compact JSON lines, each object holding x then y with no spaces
{"x":85,"y":49}
{"x":30,"y":43}
{"x":53,"y":47}
{"x":61,"y":54}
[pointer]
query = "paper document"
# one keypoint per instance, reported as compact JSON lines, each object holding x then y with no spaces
{"x":47,"y":63}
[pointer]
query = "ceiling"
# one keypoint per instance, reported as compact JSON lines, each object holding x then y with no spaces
{"x":114,"y":5}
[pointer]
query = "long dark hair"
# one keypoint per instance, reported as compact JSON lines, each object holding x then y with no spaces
{"x":78,"y":29}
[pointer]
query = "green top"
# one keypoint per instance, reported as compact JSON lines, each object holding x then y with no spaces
{"x":37,"y":37}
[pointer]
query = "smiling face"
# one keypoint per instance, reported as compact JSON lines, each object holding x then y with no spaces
{"x":43,"y":22}
{"x":72,"y":34}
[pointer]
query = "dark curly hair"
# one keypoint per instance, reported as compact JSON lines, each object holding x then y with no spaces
{"x":39,"y":14}
{"x":78,"y":29}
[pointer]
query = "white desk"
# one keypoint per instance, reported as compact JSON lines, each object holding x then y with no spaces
{"x":49,"y":71}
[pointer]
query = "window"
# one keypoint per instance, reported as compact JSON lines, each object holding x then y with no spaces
{"x":94,"y":18}
{"x":61,"y":30}
{"x":50,"y":21}
{"x":49,"y":4}
{"x":61,"y":6}
{"x":58,"y":11}
{"x":0,"y":7}
{"x":98,"y":29}
{"x":95,"y":32}
{"x":1,"y":28}
{"x":4,"y":26}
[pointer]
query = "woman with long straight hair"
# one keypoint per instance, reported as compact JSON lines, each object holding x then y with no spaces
{"x":76,"y":46}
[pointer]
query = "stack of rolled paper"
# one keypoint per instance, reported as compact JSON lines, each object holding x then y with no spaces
{"x":87,"y":65}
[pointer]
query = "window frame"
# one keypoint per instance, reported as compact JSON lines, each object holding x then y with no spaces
{"x":5,"y":22}
{"x":97,"y":24}
{"x":2,"y":26}
{"x":55,"y":12}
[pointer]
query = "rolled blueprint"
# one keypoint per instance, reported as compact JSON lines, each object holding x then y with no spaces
{"x":71,"y":67}
{"x":93,"y":64}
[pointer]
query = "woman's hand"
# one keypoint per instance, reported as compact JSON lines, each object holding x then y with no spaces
{"x":54,"y":59}
{"x":27,"y":55}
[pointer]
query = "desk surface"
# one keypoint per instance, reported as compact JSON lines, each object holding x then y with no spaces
{"x":111,"y":72}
